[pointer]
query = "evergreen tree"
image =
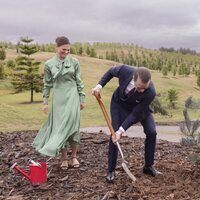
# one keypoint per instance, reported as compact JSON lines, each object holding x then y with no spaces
{"x":2,"y":53}
{"x":165,"y":71}
{"x":88,"y":50}
{"x":92,"y":53}
{"x":72,"y":50}
{"x":107,"y":55}
{"x":172,"y":97}
{"x":174,"y":70}
{"x":198,"y":78}
{"x":10,"y":64}
{"x":26,"y":72}
{"x":80,"y":51}
{"x":2,"y":57}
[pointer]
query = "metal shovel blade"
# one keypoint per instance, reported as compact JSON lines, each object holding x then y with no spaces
{"x":126,"y":169}
{"x":124,"y":166}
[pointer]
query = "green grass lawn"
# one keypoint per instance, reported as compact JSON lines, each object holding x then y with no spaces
{"x":18,"y":114}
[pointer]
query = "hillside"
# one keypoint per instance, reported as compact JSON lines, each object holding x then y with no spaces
{"x":18,"y":114}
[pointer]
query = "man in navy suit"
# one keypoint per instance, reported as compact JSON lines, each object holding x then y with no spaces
{"x":129,"y":105}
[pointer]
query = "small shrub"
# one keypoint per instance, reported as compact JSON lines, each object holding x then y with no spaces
{"x":190,"y":128}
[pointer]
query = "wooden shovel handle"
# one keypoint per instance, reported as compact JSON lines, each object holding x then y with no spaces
{"x":98,"y":97}
{"x":106,"y":116}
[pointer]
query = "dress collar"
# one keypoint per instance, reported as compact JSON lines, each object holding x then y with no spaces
{"x":65,"y":61}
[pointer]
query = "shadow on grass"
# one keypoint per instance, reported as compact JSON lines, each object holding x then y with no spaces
{"x":28,"y":102}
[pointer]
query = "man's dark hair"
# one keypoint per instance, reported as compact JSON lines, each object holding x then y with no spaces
{"x":62,"y":40}
{"x":143,"y":73}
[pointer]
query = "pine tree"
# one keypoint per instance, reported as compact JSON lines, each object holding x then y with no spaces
{"x":80,"y":51}
{"x":165,"y":71}
{"x":198,"y":78}
{"x":26,"y":73}
{"x":2,"y":57}
{"x":2,"y":53}
{"x":92,"y":53}
{"x":172,"y":96}
{"x":174,"y":70}
{"x":88,"y":50}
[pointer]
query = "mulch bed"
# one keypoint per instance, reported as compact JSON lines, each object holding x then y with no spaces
{"x":180,"y":179}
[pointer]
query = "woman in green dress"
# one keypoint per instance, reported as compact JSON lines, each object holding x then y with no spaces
{"x":62,"y":74}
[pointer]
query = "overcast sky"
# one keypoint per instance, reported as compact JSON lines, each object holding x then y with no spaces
{"x":147,"y":23}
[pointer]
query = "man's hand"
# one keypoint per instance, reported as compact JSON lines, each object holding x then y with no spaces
{"x":118,"y":134}
{"x":45,"y":109}
{"x":96,"y":90}
{"x":117,"y":138}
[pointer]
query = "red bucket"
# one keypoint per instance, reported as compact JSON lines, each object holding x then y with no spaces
{"x":38,"y":174}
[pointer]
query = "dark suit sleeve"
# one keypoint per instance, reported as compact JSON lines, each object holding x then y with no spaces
{"x":112,"y":72}
{"x":138,"y":113}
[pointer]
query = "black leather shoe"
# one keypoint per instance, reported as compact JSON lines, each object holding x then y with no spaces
{"x":151,"y":171}
{"x":111,"y":176}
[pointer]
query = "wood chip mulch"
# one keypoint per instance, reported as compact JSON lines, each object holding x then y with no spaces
{"x":180,"y":179}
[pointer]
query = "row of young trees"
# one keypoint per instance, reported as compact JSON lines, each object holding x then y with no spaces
{"x":180,"y":50}
{"x":168,"y":63}
{"x":27,"y":69}
{"x":175,"y":62}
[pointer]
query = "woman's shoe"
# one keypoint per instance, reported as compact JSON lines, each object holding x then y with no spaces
{"x":75,"y":163}
{"x":64,"y":165}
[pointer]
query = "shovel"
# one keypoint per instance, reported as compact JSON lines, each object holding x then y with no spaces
{"x":124,"y":166}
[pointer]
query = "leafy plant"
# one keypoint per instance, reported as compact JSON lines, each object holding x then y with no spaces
{"x":172,"y":96}
{"x":157,"y":107}
{"x":190,"y":128}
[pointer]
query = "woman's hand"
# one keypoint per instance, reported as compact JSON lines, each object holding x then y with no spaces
{"x":45,"y":109}
{"x":82,"y":106}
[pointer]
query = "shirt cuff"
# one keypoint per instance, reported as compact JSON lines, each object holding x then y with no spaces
{"x":120,"y":130}
{"x":99,"y":86}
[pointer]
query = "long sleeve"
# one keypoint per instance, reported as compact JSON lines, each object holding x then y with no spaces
{"x":48,"y":83}
{"x":112,"y":72}
{"x":79,"y":83}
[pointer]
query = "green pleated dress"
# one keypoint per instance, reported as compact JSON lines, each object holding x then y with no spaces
{"x":63,"y":122}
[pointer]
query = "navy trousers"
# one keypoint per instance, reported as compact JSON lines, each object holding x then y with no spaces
{"x":118,"y":115}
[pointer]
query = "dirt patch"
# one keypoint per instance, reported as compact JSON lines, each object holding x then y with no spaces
{"x":180,"y":179}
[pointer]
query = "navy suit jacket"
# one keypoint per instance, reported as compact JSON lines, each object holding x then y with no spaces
{"x":137,"y":105}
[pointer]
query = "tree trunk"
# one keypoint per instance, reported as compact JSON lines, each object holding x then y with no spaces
{"x":31,"y":95}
